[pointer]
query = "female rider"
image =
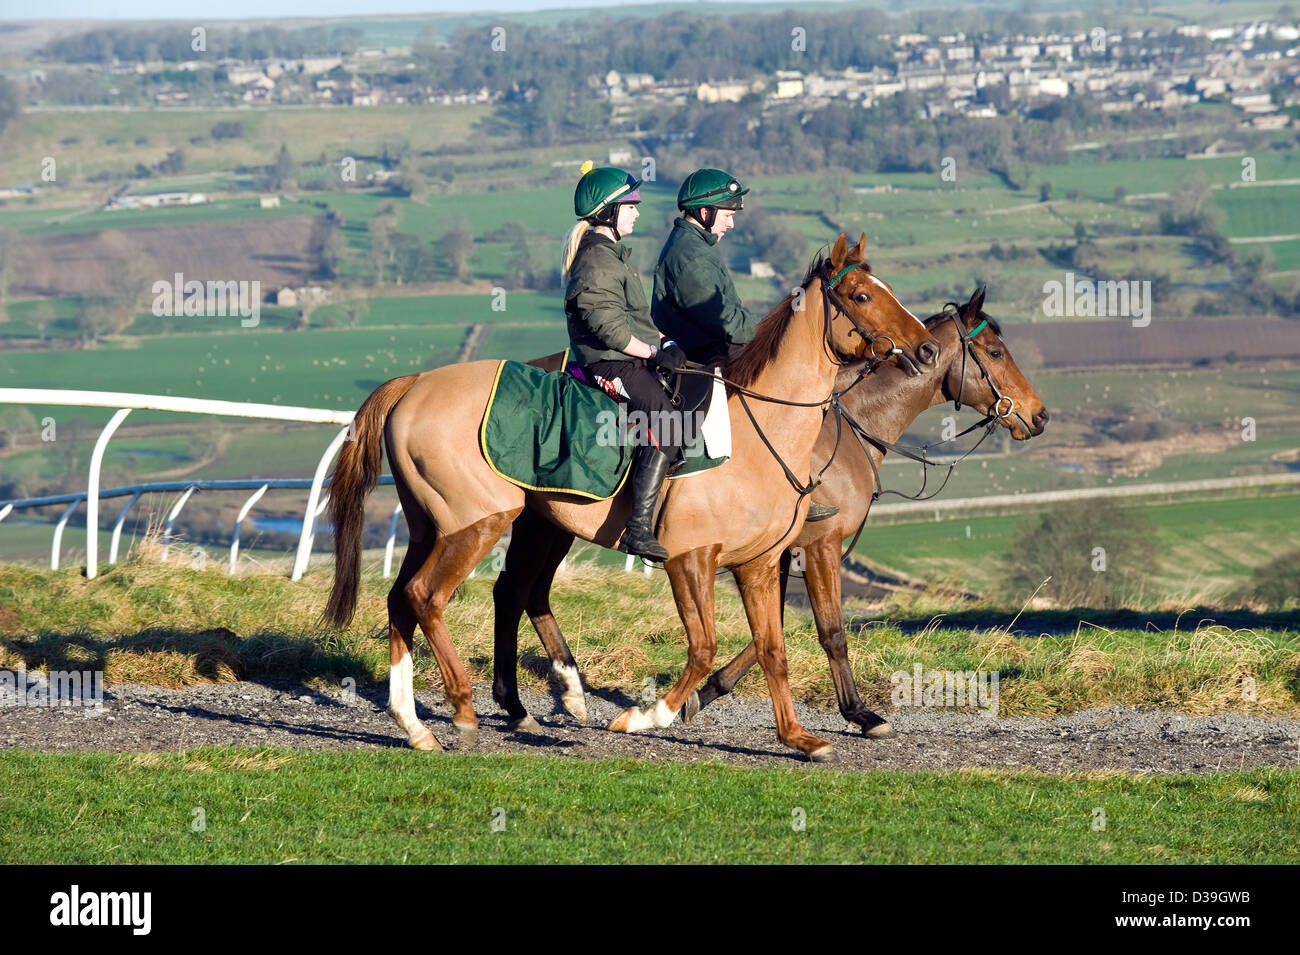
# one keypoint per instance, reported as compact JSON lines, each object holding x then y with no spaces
{"x":613,"y":339}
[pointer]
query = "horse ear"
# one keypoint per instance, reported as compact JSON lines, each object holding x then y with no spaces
{"x":976,"y":304}
{"x":862,"y":248}
{"x":839,"y":252}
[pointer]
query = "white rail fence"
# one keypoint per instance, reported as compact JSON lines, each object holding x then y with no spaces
{"x":125,"y":403}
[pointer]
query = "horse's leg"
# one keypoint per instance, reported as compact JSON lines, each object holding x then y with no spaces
{"x":401,"y":628}
{"x":536,"y":549}
{"x":691,"y":575}
{"x":452,"y":558}
{"x":508,"y":603}
{"x":563,"y":665}
{"x":725,"y":678}
{"x":760,"y":590}
{"x":822,"y":578}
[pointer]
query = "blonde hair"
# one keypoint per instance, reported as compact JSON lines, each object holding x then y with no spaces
{"x":571,"y":243}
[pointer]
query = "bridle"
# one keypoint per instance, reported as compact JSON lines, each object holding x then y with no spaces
{"x":989,"y":423}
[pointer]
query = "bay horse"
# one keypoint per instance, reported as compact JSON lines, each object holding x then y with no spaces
{"x":740,"y":515}
{"x":978,"y":370}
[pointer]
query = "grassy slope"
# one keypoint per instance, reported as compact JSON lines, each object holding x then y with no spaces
{"x":1207,"y":547}
{"x":149,"y":623}
{"x":264,"y":806}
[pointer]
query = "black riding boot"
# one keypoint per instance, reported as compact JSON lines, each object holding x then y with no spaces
{"x":639,"y":537}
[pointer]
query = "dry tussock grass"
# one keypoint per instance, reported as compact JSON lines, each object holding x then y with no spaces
{"x":997,"y":646}
{"x":1250,"y":794}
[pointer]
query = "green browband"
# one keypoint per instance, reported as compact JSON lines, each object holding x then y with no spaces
{"x":976,"y":330}
{"x":840,"y":274}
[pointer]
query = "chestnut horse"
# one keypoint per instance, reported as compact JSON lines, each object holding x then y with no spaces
{"x":740,"y":515}
{"x":978,"y":369}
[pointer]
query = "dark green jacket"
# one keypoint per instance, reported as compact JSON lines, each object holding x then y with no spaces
{"x":604,"y":303}
{"x":695,"y":302}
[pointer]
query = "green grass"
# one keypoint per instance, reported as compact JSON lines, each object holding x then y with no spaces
{"x":334,"y":368}
{"x":160,"y":624}
{"x":272,"y":806}
{"x":107,"y":139}
{"x":222,"y":210}
{"x":1208,"y":548}
{"x":1267,"y":210}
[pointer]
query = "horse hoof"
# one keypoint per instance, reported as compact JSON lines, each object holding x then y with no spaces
{"x":466,"y":736}
{"x":426,"y":743}
{"x":622,"y":721}
{"x":576,"y":707}
{"x":525,"y":724}
{"x":881,"y":730}
{"x":822,"y":754}
{"x":691,"y":708}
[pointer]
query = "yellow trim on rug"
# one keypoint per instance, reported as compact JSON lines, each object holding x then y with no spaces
{"x":482,"y":443}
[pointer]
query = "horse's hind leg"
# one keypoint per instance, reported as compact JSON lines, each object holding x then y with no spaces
{"x":563,"y":666}
{"x":429,"y":591}
{"x":536,"y":549}
{"x":401,"y":628}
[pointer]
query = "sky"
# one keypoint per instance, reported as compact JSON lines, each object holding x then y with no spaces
{"x":201,"y":10}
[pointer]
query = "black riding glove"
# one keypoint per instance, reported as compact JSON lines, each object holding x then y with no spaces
{"x":669,"y":358}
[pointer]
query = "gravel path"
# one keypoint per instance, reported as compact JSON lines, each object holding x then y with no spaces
{"x":741,"y":731}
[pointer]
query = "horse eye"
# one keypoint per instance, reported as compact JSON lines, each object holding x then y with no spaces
{"x":862,"y":297}
{"x":994,"y":353}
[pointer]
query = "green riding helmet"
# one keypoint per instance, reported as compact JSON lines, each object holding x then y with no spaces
{"x":599,"y":188}
{"x":710,"y":187}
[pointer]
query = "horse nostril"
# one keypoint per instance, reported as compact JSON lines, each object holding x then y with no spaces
{"x":928,"y":353}
{"x":1041,"y":417}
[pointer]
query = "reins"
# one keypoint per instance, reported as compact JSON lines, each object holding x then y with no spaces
{"x":876,"y":359}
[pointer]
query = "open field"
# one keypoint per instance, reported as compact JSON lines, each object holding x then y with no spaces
{"x":1207,"y":548}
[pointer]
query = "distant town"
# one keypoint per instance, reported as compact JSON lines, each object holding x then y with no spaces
{"x":1251,"y":66}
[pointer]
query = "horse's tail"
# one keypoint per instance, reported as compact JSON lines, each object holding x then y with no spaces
{"x":355,"y":476}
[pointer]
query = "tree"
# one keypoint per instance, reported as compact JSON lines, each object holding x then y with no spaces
{"x":328,"y":246}
{"x":835,"y":186}
{"x":280,"y":174}
{"x":382,"y":227}
{"x":409,"y":181}
{"x":454,"y":249}
{"x":10,"y":104}
{"x":8,"y":253}
{"x":1097,"y":556}
{"x":519,"y":265}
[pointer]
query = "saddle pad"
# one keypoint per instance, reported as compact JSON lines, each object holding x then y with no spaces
{"x":544,"y":431}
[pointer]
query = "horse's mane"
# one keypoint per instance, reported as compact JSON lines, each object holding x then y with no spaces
{"x":755,"y":355}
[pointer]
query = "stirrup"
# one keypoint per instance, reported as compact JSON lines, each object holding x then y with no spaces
{"x":820,"y":512}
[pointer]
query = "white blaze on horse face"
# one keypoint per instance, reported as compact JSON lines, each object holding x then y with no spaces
{"x":886,"y":289}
